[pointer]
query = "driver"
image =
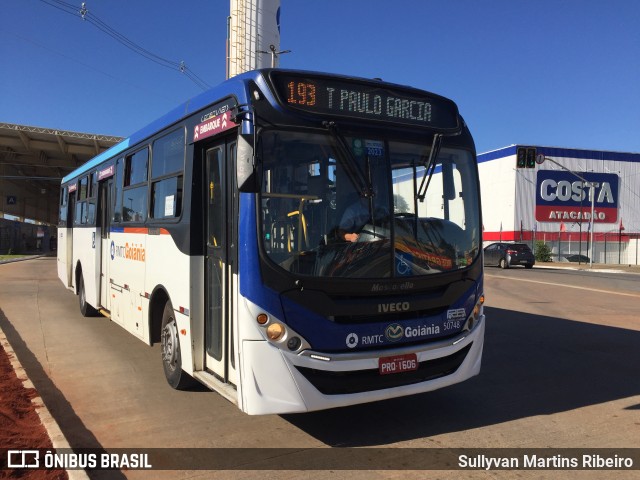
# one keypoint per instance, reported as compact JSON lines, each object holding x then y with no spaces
{"x":355,"y":217}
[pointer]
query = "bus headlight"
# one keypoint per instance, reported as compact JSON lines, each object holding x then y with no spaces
{"x":475,"y":314}
{"x":281,"y":335}
{"x":294,"y":343}
{"x":275,"y":331}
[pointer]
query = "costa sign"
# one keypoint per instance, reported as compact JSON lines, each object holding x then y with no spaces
{"x":562,"y":197}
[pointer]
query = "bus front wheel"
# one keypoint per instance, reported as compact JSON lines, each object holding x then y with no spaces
{"x":170,"y":348}
{"x":85,"y":309}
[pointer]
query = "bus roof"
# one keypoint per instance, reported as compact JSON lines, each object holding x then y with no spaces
{"x":233,"y":86}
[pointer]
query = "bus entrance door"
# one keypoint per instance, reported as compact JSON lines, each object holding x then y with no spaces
{"x":105,"y":209}
{"x":71,"y":212}
{"x":218,"y":269}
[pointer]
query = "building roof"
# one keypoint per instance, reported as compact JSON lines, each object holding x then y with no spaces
{"x":562,"y":152}
{"x":33,"y":160}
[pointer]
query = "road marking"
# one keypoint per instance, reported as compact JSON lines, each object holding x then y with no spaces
{"x":625,"y":294}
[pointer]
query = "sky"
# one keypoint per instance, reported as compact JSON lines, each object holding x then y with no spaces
{"x":553,"y":73}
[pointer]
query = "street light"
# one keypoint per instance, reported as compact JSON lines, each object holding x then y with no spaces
{"x":273,"y":54}
{"x":540,"y":159}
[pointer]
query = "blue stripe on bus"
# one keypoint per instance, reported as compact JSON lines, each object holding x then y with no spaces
{"x":251,"y":286}
{"x":97,"y":160}
{"x":235,"y":86}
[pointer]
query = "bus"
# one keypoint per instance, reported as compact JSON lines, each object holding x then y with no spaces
{"x":226,"y":232}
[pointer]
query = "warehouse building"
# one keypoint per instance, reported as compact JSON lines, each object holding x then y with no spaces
{"x":583,"y":204}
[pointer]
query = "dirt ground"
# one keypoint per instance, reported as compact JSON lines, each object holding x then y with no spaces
{"x":20,"y":426}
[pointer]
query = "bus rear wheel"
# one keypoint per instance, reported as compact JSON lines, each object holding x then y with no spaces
{"x":170,"y":349}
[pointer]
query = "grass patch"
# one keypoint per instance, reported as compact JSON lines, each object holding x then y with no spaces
{"x":12,"y":257}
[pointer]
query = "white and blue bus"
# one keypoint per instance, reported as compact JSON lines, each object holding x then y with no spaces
{"x":226,"y":232}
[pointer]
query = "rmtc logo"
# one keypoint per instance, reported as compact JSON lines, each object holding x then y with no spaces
{"x":393,"y":307}
{"x":352,"y":340}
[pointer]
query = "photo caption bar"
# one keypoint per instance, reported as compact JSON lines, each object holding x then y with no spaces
{"x":323,"y":459}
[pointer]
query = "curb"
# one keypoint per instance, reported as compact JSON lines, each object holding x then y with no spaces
{"x":58,"y":440}
{"x":27,"y":257}
{"x":600,"y":268}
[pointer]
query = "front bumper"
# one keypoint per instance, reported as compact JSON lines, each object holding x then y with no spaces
{"x":276,"y":381}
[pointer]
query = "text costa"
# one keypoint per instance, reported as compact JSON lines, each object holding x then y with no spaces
{"x":564,"y":191}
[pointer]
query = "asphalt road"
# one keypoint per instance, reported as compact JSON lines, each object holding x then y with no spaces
{"x":560,"y":370}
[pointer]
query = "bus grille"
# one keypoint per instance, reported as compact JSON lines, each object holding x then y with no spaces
{"x":337,"y":383}
{"x":389,"y":317}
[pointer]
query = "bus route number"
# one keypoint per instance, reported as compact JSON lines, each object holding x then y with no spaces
{"x":302,"y":93}
{"x":398,"y":364}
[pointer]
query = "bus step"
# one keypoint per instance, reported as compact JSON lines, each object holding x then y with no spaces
{"x":227,"y":390}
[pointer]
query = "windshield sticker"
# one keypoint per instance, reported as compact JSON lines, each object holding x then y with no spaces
{"x":375,"y":148}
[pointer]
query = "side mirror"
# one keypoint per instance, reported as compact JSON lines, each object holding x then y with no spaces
{"x":245,"y":159}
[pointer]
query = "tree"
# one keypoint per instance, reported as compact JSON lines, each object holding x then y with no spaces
{"x":400,"y":205}
{"x":543,"y":252}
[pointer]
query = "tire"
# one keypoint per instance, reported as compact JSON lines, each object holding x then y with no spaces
{"x":85,"y":309}
{"x":170,"y":351}
{"x":504,"y":263}
{"x":529,"y":265}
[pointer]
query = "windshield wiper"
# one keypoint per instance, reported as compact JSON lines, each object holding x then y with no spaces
{"x":349,"y":163}
{"x":429,"y":167}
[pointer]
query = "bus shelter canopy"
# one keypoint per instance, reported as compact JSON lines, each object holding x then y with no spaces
{"x":33,"y":161}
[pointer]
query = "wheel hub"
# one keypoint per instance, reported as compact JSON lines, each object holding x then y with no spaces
{"x":170,"y":344}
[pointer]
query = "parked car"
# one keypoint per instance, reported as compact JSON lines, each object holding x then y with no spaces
{"x":506,"y":255}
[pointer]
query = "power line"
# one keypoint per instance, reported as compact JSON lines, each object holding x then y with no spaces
{"x":87,"y":16}
{"x":79,"y":62}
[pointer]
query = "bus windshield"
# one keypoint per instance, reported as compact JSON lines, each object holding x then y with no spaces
{"x":350,"y":206}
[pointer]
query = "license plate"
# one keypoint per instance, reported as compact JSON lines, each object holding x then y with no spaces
{"x":398,"y":364}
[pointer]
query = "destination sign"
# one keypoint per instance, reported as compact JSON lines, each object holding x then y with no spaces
{"x":216,"y":120}
{"x":365,"y":101}
{"x":106,"y":172}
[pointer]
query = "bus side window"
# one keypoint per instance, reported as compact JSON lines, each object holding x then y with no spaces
{"x":80,"y":217}
{"x":64,"y":205}
{"x":91,"y":201}
{"x":167,"y":167}
{"x":134,"y":193}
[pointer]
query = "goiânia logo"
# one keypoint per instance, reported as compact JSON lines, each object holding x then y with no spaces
{"x":394,"y":332}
